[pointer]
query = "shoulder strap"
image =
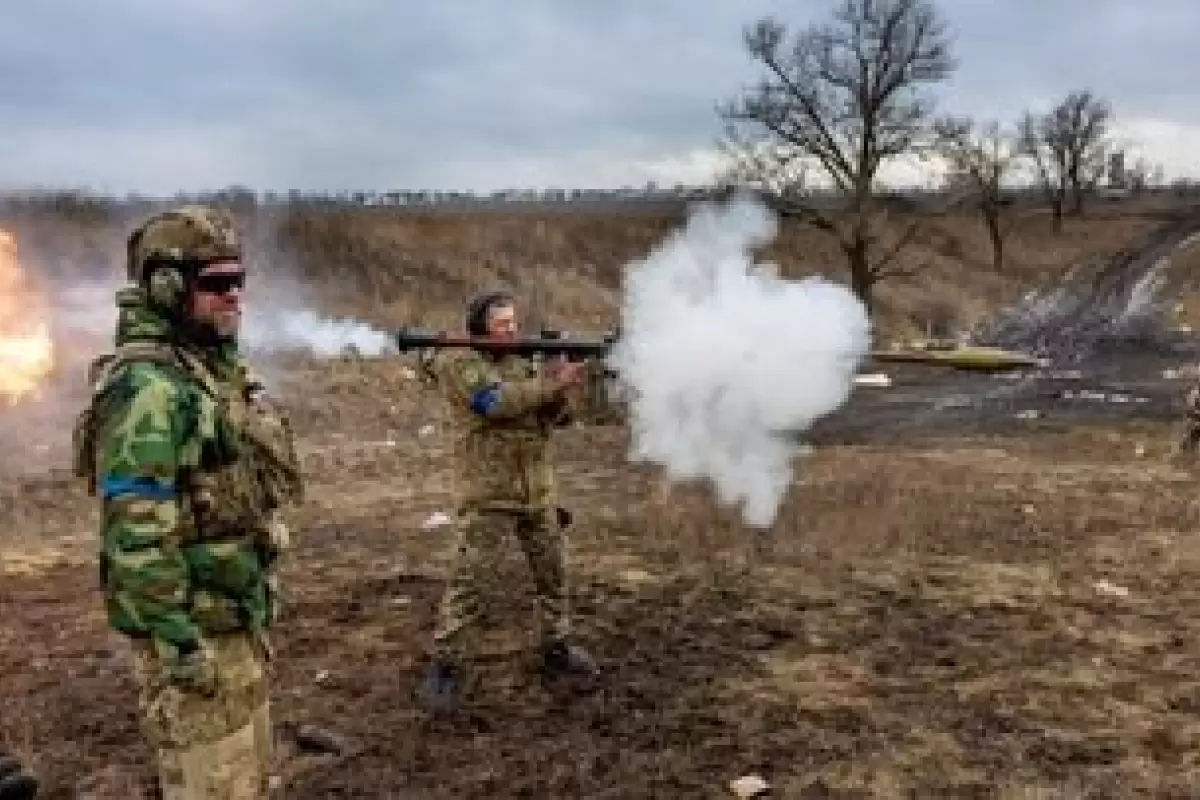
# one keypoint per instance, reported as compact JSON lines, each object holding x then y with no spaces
{"x":103,"y":368}
{"x":194,"y":367}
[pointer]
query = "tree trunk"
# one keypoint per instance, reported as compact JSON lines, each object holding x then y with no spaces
{"x":1077,"y":192}
{"x":862,"y":280}
{"x":991,"y":218}
{"x":1056,"y":216}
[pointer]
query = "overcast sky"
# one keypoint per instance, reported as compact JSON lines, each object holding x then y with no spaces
{"x":161,"y":95}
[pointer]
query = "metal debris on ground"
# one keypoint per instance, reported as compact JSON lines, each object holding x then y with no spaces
{"x":438,"y":519}
{"x":1092,"y":394}
{"x":1111,"y":589}
{"x":749,"y":786}
{"x":873,"y":379}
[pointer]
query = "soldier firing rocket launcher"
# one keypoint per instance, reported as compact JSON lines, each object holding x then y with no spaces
{"x":549,"y":342}
{"x":552,"y":343}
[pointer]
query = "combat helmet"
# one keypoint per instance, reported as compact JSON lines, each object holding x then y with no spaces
{"x":166,"y":251}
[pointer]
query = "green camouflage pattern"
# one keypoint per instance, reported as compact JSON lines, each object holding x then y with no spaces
{"x":479,"y":542}
{"x":504,"y":488}
{"x":502,"y":458}
{"x":188,"y":233}
{"x":192,"y":475}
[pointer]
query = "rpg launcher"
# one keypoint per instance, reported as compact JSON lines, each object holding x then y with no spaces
{"x":549,"y":343}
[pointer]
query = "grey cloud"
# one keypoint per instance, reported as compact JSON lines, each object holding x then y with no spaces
{"x":140,"y":94}
{"x":1015,"y":55}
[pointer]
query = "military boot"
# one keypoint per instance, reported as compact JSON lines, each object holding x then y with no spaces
{"x":560,"y":659}
{"x":441,"y":688}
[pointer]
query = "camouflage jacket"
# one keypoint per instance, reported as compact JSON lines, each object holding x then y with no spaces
{"x":191,"y":469}
{"x":503,"y":412}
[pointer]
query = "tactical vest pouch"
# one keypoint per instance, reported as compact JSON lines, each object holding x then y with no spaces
{"x":215,"y":613}
{"x":231,"y":568}
{"x":83,"y":447}
{"x":83,"y":434}
{"x":223,"y":501}
{"x":268,"y":434}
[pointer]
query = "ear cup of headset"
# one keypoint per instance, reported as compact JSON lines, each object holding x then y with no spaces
{"x":166,"y":287}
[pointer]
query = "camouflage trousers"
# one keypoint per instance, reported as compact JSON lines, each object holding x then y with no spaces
{"x":480,"y":538}
{"x":209,"y":748}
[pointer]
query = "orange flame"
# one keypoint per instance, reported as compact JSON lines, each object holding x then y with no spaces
{"x":26,"y":346}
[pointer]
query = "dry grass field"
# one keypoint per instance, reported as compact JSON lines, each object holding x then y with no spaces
{"x":962,"y":613}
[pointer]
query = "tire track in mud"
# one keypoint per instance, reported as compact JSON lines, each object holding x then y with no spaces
{"x":1102,"y":333}
{"x":1094,"y":311}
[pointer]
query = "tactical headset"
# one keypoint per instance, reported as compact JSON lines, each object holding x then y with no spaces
{"x":479,"y":308}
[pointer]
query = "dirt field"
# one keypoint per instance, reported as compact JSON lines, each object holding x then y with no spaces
{"x":985,"y":604}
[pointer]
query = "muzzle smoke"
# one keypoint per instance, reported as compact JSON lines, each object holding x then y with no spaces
{"x":272,"y":330}
{"x":727,"y":362}
{"x":279,"y":323}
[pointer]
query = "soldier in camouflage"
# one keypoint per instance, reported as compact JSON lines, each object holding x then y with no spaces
{"x":1185,"y":451}
{"x":192,"y":465}
{"x":503,"y":410}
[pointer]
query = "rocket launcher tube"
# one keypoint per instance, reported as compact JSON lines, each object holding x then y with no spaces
{"x":549,"y":343}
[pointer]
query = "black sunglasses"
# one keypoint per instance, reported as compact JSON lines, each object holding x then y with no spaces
{"x":220,"y":282}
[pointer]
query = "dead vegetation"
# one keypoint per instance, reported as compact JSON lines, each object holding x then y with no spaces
{"x":396,"y":266}
{"x":964,"y":616}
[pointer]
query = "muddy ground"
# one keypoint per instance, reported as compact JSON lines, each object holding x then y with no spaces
{"x":960,"y":598}
{"x":983,"y":615}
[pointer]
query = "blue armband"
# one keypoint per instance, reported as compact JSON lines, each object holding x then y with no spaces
{"x":140,"y":486}
{"x":486,"y":399}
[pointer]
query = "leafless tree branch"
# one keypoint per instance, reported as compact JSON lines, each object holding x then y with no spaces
{"x":1068,"y":146}
{"x":841,"y":99}
{"x":980,"y":157}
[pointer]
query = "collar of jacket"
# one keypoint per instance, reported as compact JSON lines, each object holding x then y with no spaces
{"x":137,"y":321}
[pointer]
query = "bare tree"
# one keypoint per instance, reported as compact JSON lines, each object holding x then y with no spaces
{"x":1045,"y":149}
{"x":1068,"y":146}
{"x":842,"y":100}
{"x":980,"y":157}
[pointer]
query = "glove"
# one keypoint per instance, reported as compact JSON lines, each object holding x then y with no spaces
{"x":15,"y":783}
{"x":277,"y":541}
{"x":191,"y":671}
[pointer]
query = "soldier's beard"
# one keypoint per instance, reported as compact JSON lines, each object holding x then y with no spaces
{"x":206,"y":333}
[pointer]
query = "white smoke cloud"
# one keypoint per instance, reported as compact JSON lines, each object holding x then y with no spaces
{"x":278,"y":321}
{"x":269,"y":330}
{"x":727,"y":362}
